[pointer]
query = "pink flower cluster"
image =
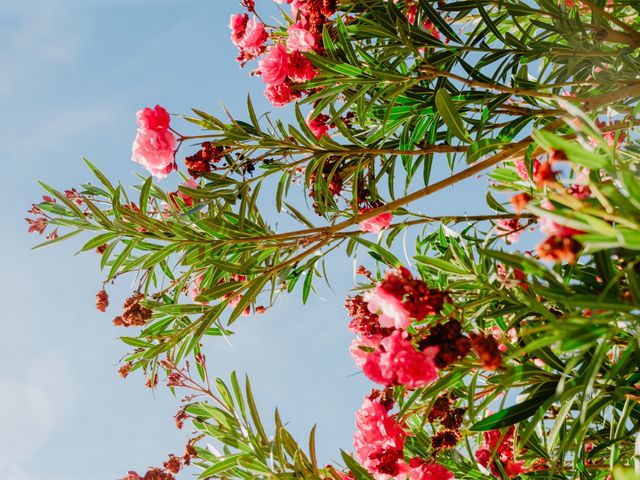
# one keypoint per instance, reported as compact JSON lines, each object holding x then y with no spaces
{"x":154,"y":145}
{"x":395,"y":361}
{"x":610,"y":137}
{"x":283,"y":64}
{"x":497,"y":445}
{"x":400,"y":297}
{"x":560,"y":244}
{"x":249,"y":36}
{"x":384,"y":350}
{"x":379,"y":442}
{"x":281,"y":69}
{"x":319,"y":125}
{"x":510,"y":229}
{"x":375,"y":224}
{"x":410,"y":14}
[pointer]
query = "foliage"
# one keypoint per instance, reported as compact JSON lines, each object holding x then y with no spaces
{"x":514,"y":90}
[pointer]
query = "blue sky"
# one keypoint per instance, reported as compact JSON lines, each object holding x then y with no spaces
{"x":74,"y":72}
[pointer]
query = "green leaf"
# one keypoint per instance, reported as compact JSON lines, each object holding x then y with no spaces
{"x":482,"y":147}
{"x":104,"y":180}
{"x":358,"y":470}
{"x":57,"y":239}
{"x":447,"y":110}
{"x":221,"y":466}
{"x":253,"y":410}
{"x":144,"y":194}
{"x":575,"y":153}
{"x":517,"y":413}
{"x":441,"y":265}
{"x":383,"y":255}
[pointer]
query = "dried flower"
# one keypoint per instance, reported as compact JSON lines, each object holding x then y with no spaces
{"x":125,"y":369}
{"x":102,"y":300}
{"x":173,"y":464}
{"x":451,"y":342}
{"x":487,"y":350}
{"x":134,"y":315}
{"x":520,"y":201}
{"x":180,"y":417}
{"x":152,"y":381}
{"x":556,"y":248}
{"x":363,"y":322}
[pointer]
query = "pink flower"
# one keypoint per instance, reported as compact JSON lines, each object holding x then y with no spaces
{"x":185,"y":198}
{"x":359,"y":354}
{"x":248,"y":35}
{"x":274,"y":67}
{"x":392,"y":311}
{"x":428,"y":471}
{"x":252,"y":43}
{"x":610,"y":137}
{"x":39,"y":225}
{"x":235,"y":299}
{"x":400,"y":297}
{"x":551,"y":228}
{"x":538,"y":363}
{"x":379,"y":441}
{"x":498,"y":445}
{"x":300,"y":40}
{"x":511,"y":337}
{"x":410,"y":14}
{"x":154,"y":145}
{"x":431,"y":28}
{"x":191,"y":183}
{"x":238,"y":25}
{"x":300,"y":68}
{"x":521,"y":168}
{"x":511,"y":228}
{"x":397,"y":362}
{"x":375,"y":224}
{"x":318,"y":125}
{"x":195,"y":289}
{"x":280,"y":95}
{"x":298,"y":6}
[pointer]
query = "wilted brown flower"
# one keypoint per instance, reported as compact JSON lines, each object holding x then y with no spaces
{"x":174,"y":464}
{"x":134,"y":315}
{"x":102,"y":300}
{"x":125,"y":369}
{"x":556,"y":248}
{"x":487,"y":350}
{"x":520,"y":201}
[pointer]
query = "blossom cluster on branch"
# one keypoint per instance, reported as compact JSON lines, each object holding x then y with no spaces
{"x":505,"y":345}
